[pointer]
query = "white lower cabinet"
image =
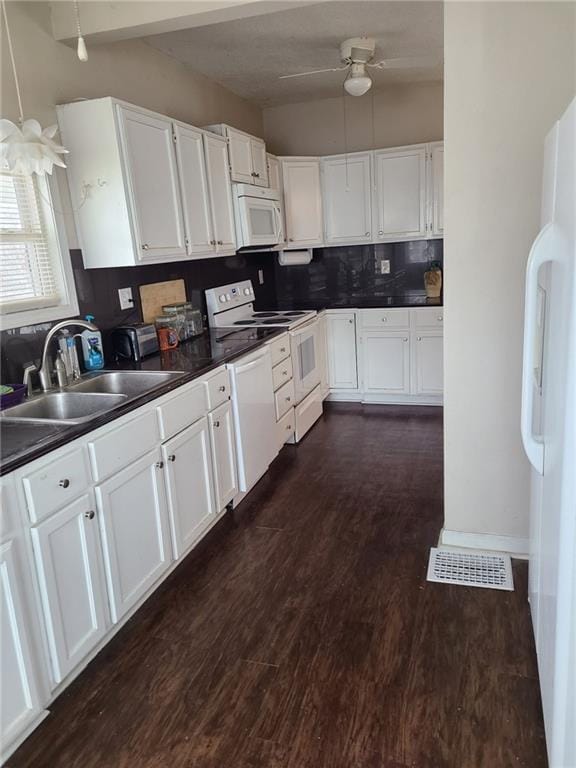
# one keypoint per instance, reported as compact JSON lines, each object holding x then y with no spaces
{"x":341,"y":344}
{"x":20,"y":702}
{"x":428,"y":363}
{"x":69,"y":567}
{"x":135,"y":530}
{"x":386,"y":362}
{"x":189,"y":482}
{"x":221,"y":422}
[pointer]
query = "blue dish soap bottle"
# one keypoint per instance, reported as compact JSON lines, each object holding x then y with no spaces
{"x":92,"y":348}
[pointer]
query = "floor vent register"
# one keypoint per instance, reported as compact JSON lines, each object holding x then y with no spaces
{"x":470,"y":569}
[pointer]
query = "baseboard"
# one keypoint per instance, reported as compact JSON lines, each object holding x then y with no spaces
{"x":512,"y":545}
{"x":346,"y":396}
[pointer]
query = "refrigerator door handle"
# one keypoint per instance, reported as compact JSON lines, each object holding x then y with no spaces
{"x":540,"y":253}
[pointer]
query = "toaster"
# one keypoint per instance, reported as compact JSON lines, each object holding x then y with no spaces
{"x":133,"y":342}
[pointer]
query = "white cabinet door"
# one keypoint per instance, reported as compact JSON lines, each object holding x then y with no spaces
{"x":323,"y":355}
{"x":240,"y":153}
{"x":428,"y":363}
{"x":152,"y":180}
{"x":341,"y":338}
{"x":302,"y":201}
{"x":223,"y":454}
{"x":20,"y":698}
{"x":220,"y":193}
{"x":259,"y":164}
{"x":194,"y":187}
{"x":135,"y":531}
{"x":386,"y":362}
{"x":347,"y":195}
{"x":437,"y":189}
{"x":274,"y":173}
{"x":400,"y":200}
{"x":188,"y":464}
{"x":68,"y":562}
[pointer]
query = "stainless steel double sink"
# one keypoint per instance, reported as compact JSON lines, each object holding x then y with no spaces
{"x":91,"y":396}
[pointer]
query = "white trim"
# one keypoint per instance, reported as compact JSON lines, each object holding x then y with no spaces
{"x":515,"y":546}
{"x":57,"y":233}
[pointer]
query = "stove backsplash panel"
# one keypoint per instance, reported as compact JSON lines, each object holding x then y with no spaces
{"x":339,"y":274}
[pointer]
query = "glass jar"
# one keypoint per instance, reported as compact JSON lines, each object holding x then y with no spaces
{"x":178,"y":316}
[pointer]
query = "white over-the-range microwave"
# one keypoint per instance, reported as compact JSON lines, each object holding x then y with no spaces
{"x":258,"y":216}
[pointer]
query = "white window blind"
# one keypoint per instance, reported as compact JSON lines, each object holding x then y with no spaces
{"x":29,"y":274}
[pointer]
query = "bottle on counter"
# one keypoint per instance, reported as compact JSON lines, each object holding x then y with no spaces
{"x":92,"y":350}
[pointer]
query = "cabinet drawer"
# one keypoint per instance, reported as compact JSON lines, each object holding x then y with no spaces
{"x":123,"y":444}
{"x":56,"y":483}
{"x":218,"y":389}
{"x":282,"y":373}
{"x":285,"y":428}
{"x":384,"y":318}
{"x":280,"y":349}
{"x":284,"y":399}
{"x":432,"y":317}
{"x":182,"y":409}
{"x":307,"y":413}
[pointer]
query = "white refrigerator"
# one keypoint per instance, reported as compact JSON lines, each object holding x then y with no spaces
{"x":548,"y":426}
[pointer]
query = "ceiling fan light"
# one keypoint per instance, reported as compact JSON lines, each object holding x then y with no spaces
{"x":357,"y":85}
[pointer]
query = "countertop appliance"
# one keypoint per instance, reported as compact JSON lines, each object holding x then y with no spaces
{"x":133,"y":342}
{"x":548,"y":425}
{"x":258,"y":216}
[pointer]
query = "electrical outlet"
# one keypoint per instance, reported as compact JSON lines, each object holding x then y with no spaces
{"x":385,"y":266}
{"x":261,"y":276}
{"x":125,"y":297}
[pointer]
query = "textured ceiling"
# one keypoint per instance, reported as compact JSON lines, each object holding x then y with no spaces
{"x":248,"y":55}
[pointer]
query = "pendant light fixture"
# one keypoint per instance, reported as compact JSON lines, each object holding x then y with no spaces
{"x":26,"y":148}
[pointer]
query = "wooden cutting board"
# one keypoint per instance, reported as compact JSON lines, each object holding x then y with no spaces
{"x":154,"y":296}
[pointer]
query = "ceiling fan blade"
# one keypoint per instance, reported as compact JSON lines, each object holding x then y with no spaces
{"x":314,"y":72}
{"x":407,"y":62}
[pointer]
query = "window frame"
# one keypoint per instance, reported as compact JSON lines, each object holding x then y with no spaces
{"x":56,"y":234}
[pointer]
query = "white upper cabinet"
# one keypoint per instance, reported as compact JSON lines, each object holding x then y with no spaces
{"x":302,"y":200}
{"x":194,"y":188}
{"x":347,"y":197}
{"x":274,"y":173}
{"x":400,"y":195}
{"x":220,"y":194}
{"x":247,"y":155}
{"x":152,"y":180}
{"x":437,"y":189}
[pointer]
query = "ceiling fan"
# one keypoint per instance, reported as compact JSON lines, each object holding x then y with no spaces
{"x":356,"y":54}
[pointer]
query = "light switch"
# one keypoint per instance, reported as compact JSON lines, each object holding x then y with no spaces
{"x":125,"y":297}
{"x":261,"y":276}
{"x":385,"y":266}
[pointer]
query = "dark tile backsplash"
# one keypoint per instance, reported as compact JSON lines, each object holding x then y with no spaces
{"x":334,"y":275}
{"x":339,"y":274}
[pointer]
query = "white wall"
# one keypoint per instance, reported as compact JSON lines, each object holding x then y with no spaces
{"x":403,"y":114}
{"x":50,"y":73}
{"x":509,"y":74}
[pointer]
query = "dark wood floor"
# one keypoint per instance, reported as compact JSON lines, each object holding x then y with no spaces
{"x":303,"y":634}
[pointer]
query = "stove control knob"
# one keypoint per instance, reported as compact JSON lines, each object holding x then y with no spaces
{"x":222,"y":298}
{"x":246,"y":291}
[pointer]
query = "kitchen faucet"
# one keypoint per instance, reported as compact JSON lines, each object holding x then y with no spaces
{"x":45,"y":371}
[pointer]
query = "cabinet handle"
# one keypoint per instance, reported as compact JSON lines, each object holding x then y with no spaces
{"x":172,"y":457}
{"x":419,"y":338}
{"x":282,"y":349}
{"x":380,"y":232}
{"x":284,"y":373}
{"x":252,"y":174}
{"x":89,"y":515}
{"x":384,"y":319}
{"x":145,"y":246}
{"x":220,"y":242}
{"x":64,"y":483}
{"x":257,"y":175}
{"x":288,"y":427}
{"x":350,"y":321}
{"x":440,"y":318}
{"x":288,"y":398}
{"x":159,"y":464}
{"x":405,"y":338}
{"x":216,"y":423}
{"x":222,"y":388}
{"x":212,"y":242}
{"x":367,"y":234}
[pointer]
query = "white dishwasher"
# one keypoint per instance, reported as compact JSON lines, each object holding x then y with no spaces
{"x":254,"y":415}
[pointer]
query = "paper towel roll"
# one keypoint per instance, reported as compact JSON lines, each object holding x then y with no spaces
{"x":293,"y":258}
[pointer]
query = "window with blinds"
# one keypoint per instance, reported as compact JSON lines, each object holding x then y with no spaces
{"x":29,"y":258}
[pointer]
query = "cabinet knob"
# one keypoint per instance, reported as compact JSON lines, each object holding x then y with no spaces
{"x":212,"y":242}
{"x":172,"y":457}
{"x":216,"y":423}
{"x":405,"y":338}
{"x":159,"y":464}
{"x":384,"y":319}
{"x":290,"y":239}
{"x":90,"y":514}
{"x":282,"y":349}
{"x":145,"y":246}
{"x":440,"y":318}
{"x":284,"y":373}
{"x":220,"y":242}
{"x":222,"y":388}
{"x":64,"y":483}
{"x":419,"y":338}
{"x":380,"y":232}
{"x":288,"y":427}
{"x":367,"y":234}
{"x":257,"y":175}
{"x":252,"y":174}
{"x":350,"y":321}
{"x":288,"y":398}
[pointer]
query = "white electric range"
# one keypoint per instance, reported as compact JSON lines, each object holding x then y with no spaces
{"x":232,"y":307}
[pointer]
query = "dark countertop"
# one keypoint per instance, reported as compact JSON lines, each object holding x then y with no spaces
{"x":22,"y":442}
{"x":361,"y":302}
